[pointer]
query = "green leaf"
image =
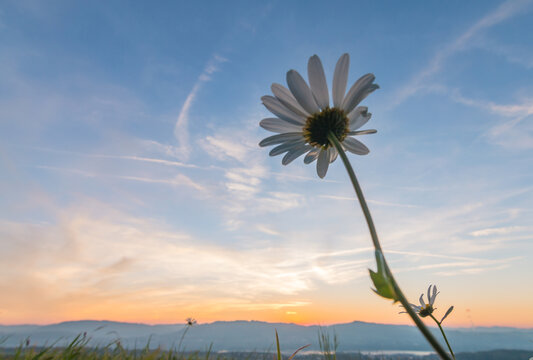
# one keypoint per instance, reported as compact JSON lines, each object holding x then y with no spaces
{"x":382,"y":279}
{"x":277,"y":345}
{"x":296,"y":352}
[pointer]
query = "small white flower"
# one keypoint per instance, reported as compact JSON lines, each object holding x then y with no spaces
{"x":305,"y":118}
{"x":426,"y":309}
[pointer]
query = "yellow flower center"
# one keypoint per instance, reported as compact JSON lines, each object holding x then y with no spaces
{"x":318,"y":126}
{"x":426,"y":311}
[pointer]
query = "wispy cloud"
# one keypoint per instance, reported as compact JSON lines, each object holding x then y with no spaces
{"x":427,"y":261}
{"x":159,"y":148}
{"x":267,"y":230}
{"x":225,"y":147}
{"x":512,"y":132}
{"x":289,"y":176}
{"x":497,"y":231}
{"x":473,"y":270}
{"x":505,"y":11}
{"x":146,"y":159}
{"x":181,"y":131}
{"x":431,"y":255}
{"x":485,"y":264}
{"x":251,"y":306}
{"x":375,"y":202}
{"x":243,"y":192}
{"x":429,"y":264}
{"x":122,"y":157}
{"x":521,"y":110}
{"x":447,"y":230}
{"x":513,"y":53}
{"x":178,"y":180}
{"x":94,"y":253}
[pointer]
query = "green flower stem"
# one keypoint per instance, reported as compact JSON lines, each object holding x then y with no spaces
{"x":187,"y":327}
{"x":443,"y":335}
{"x":401,"y":297}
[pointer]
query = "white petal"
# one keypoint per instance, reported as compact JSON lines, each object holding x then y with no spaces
{"x":355,"y":146}
{"x":295,"y":153}
{"x":358,"y":117}
{"x":434,"y":294}
{"x":287,"y":146}
{"x":363,"y":132}
{"x":429,"y":294}
{"x":333,"y":153}
{"x":322,"y":163}
{"x":281,"y":138}
{"x":359,"y":109}
{"x":311,"y":156}
{"x":340,"y":78}
{"x":355,"y":94}
{"x":279,"y":125}
{"x":301,"y":91}
{"x":285,"y":97}
{"x":367,"y":91}
{"x":421,"y":300}
{"x":359,"y":121}
{"x":317,"y":80}
{"x":281,"y":111}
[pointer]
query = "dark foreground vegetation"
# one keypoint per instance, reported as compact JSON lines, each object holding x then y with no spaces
{"x":79,"y":348}
{"x":116,"y":352}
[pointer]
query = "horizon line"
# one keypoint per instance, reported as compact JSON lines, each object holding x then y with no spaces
{"x":530,"y":327}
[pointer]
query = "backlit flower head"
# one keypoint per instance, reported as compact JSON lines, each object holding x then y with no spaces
{"x":305,"y":117}
{"x":427,"y":309}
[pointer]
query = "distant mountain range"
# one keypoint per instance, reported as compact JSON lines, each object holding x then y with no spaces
{"x":259,"y":336}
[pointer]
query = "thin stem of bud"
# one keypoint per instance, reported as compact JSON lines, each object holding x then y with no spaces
{"x":443,"y":335}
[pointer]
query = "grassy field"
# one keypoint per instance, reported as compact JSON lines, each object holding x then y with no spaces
{"x":79,"y":349}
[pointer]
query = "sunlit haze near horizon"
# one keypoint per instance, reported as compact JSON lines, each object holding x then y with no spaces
{"x":133,"y":187}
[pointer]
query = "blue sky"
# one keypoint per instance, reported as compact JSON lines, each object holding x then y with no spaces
{"x":133,"y":187}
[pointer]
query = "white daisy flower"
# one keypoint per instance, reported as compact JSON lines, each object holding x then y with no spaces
{"x":427,"y":309}
{"x":305,"y":118}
